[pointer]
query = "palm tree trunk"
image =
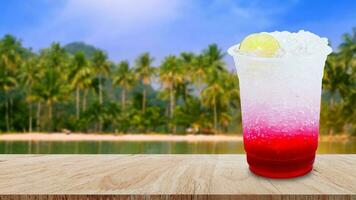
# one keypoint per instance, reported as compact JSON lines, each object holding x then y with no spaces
{"x":167,"y":109}
{"x":77,"y":102}
{"x":50,"y":116}
{"x":186,"y":102}
{"x":30,"y":117}
{"x":30,"y":112}
{"x":100,"y":91}
{"x":171,"y":110}
{"x":7,"y":113}
{"x":171,"y":99}
{"x":38,"y":116}
{"x":123,"y":98}
{"x":144,"y":100}
{"x":215,"y":115}
{"x":100,"y":100}
{"x":112,"y":93}
{"x":11,"y":113}
{"x":185,"y":95}
{"x":85,"y":99}
{"x":332,"y":104}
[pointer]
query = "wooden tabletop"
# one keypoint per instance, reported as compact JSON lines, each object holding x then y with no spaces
{"x":168,"y":177}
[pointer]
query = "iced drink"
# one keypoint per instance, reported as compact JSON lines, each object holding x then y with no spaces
{"x":280,"y":93}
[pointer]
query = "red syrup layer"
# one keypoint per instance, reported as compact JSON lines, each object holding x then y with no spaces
{"x":280,"y":154}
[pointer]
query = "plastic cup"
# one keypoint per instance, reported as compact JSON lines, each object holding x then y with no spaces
{"x":280,"y":104}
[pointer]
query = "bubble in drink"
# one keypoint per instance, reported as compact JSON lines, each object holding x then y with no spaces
{"x":280,"y":100}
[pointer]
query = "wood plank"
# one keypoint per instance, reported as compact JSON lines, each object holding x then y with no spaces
{"x":168,"y":177}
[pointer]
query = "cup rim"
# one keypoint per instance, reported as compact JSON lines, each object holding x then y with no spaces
{"x":232,"y":52}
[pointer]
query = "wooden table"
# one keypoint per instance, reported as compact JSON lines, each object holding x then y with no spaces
{"x":167,"y":177}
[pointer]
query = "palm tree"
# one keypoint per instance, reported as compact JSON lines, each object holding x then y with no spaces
{"x":53,"y":86}
{"x":34,"y":97}
{"x":213,"y":57}
{"x":231,"y":84}
{"x":216,"y":93}
{"x":199,"y":70}
{"x":102,"y":66}
{"x":210,"y":97}
{"x":10,"y":60}
{"x":187,"y":62}
{"x":348,"y":55}
{"x":80,"y":77}
{"x":225,"y":119}
{"x":339,"y":80}
{"x":144,"y":71}
{"x":231,"y":98}
{"x":29,"y":75}
{"x":215,"y":75}
{"x":348,"y":47}
{"x":124,"y":78}
{"x":171,"y":74}
{"x":203,"y":64}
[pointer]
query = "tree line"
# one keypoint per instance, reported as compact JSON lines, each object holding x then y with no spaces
{"x":56,"y":89}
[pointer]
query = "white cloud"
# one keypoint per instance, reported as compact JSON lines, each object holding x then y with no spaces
{"x":122,"y":13}
{"x":126,"y":28}
{"x":103,"y":21}
{"x":106,"y":21}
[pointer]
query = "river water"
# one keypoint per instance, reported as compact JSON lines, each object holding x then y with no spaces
{"x":144,"y":147}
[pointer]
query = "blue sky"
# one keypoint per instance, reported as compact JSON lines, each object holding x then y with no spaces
{"x":126,"y":28}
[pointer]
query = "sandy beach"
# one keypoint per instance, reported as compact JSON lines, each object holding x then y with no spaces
{"x":111,"y":137}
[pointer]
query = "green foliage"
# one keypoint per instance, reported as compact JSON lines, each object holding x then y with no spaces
{"x":75,"y":47}
{"x":77,"y":87}
{"x":144,"y":72}
{"x":124,"y":77}
{"x":339,"y":84}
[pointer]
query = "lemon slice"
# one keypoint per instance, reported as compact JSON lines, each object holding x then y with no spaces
{"x":260,"y":44}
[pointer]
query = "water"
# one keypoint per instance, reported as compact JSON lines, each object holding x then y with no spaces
{"x":139,"y":147}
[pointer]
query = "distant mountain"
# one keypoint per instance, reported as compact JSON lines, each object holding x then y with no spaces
{"x":74,"y":47}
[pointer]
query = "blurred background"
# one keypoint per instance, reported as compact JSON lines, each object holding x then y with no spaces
{"x":152,"y":76}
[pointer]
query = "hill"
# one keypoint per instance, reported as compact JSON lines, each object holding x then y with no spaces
{"x":74,"y":47}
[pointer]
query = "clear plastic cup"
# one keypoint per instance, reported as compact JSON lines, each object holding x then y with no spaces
{"x":280,"y":103}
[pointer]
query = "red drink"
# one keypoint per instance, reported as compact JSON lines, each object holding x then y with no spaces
{"x":280,"y":103}
{"x":278,"y":156}
{"x":280,"y":141}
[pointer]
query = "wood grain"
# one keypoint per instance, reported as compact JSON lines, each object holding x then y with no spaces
{"x":167,"y":177}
